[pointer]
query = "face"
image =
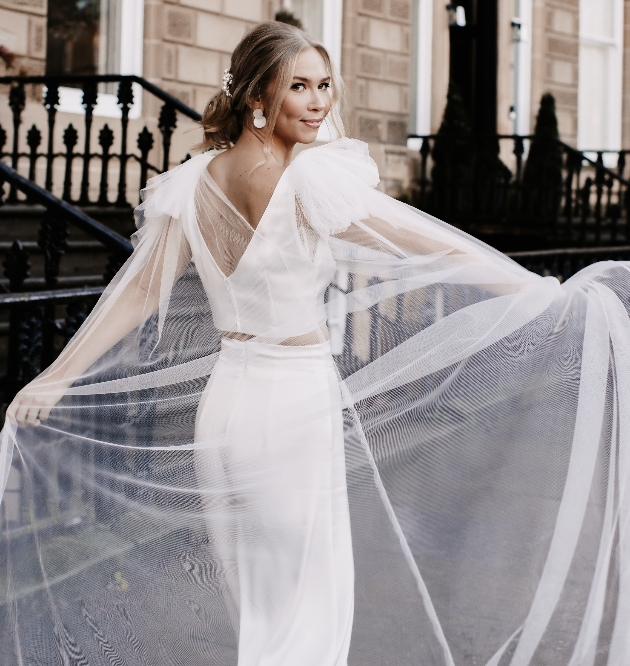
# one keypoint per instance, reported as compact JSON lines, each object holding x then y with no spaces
{"x":307,"y":102}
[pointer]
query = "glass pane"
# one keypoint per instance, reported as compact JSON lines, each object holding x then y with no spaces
{"x":109,"y":39}
{"x":596,"y":18}
{"x":73,"y":31}
{"x":311,"y":13}
{"x":83,"y":37}
{"x":592,"y":98}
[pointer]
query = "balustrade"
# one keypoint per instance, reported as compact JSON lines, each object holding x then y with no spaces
{"x":38,"y":326}
{"x":69,"y":154}
{"x":588,"y":205}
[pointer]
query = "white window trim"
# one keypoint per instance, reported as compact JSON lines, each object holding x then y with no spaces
{"x":131,"y":53}
{"x":424,"y":67}
{"x":332,"y":39}
{"x":523,"y":68}
{"x":332,"y":29}
{"x":615,"y":78}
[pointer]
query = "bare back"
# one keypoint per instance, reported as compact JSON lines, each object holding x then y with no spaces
{"x":247,"y":186}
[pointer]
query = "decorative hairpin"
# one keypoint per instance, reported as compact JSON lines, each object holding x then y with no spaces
{"x":227,"y":82}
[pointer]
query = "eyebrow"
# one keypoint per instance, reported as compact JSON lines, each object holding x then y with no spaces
{"x":303,"y":78}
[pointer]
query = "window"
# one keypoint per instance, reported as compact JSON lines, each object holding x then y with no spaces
{"x":95,"y":37}
{"x":311,"y":14}
{"x":322,"y":19}
{"x":72,"y":46}
{"x":599,"y":93}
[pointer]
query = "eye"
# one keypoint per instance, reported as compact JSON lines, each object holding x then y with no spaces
{"x":298,"y":86}
{"x":324,"y":86}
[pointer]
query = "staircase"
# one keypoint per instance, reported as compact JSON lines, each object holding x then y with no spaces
{"x":85,"y":259}
{"x":60,"y":251}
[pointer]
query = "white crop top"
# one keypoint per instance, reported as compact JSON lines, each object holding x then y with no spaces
{"x":276,"y":289}
{"x":277,"y":274}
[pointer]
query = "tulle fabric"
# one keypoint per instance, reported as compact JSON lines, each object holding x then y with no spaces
{"x":486,"y":426}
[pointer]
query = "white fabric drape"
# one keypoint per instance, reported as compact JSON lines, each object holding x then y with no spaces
{"x":484,"y":413}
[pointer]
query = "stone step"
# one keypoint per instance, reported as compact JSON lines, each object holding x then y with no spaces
{"x":21,"y":221}
{"x":84,"y":259}
{"x":64,"y":281}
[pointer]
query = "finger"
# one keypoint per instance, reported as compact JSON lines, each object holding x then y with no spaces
{"x":13,"y":407}
{"x":32,"y":414}
{"x":20,"y":414}
{"x":44,"y":412}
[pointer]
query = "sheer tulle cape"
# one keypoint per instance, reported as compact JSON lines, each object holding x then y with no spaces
{"x":487,"y":435}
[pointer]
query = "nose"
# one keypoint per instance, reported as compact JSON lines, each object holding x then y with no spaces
{"x":318,"y":101}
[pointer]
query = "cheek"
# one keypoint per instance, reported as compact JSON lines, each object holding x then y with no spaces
{"x":293,"y":107}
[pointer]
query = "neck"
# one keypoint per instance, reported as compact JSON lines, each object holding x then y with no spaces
{"x":254,"y":140}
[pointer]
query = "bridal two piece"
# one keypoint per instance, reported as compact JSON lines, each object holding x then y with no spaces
{"x":444,"y":481}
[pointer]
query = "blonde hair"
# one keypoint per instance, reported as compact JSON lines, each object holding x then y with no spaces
{"x":266,"y":55}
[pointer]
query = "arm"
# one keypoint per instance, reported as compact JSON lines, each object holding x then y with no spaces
{"x":500,"y":277}
{"x":134,"y":299}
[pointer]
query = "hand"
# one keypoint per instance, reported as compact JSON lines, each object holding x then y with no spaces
{"x":33,"y":403}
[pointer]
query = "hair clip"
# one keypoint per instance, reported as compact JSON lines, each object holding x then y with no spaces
{"x":227,"y":81}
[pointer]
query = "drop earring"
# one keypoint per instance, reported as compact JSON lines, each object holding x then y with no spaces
{"x":259,"y":119}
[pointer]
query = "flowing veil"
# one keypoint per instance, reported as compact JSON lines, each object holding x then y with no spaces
{"x":487,"y":438}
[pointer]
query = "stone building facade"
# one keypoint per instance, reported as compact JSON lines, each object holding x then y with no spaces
{"x":395,"y":57}
{"x":23,"y":33}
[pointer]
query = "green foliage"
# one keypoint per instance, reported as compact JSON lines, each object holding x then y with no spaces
{"x":544,"y":163}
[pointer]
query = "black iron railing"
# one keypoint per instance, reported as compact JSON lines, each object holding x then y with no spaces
{"x":25,"y":150}
{"x":40,"y":324}
{"x":35,"y":326}
{"x":391,"y":328}
{"x":566,"y":262}
{"x":498,"y":201}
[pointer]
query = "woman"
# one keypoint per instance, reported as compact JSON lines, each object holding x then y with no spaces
{"x":191,"y":466}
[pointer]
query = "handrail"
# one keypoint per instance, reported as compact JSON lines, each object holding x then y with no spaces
{"x":569,"y":251}
{"x":48,"y":296}
{"x":59,"y":79}
{"x":109,"y":238}
{"x":532,"y":137}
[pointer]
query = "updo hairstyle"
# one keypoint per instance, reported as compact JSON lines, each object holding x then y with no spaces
{"x":266,"y":55}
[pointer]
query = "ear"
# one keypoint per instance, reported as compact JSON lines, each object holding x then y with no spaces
{"x":255,"y":103}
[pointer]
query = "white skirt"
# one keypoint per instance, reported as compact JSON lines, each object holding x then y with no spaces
{"x":271,"y":468}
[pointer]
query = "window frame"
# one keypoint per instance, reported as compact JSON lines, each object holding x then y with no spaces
{"x":131,"y":61}
{"x":332,"y":36}
{"x":614,"y":79}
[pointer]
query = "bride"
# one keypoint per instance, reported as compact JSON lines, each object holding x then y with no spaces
{"x":309,"y":425}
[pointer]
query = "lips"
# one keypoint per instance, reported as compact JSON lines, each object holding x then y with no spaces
{"x":313,"y":123}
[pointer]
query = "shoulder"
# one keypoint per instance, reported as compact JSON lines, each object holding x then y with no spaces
{"x":347,"y":157}
{"x":231,"y":170}
{"x":168,"y":193}
{"x":334,"y":184}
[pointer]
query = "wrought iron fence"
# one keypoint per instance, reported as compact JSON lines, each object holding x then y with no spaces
{"x":586,"y":205}
{"x":388,"y":328}
{"x":566,"y":262}
{"x":37,"y":150}
{"x":38,"y":324}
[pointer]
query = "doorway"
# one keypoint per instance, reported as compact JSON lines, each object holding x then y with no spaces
{"x":473,"y":60}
